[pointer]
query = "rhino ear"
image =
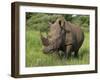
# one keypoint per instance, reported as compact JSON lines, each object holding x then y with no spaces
{"x":65,"y":24}
{"x":62,"y":22}
{"x":49,"y":23}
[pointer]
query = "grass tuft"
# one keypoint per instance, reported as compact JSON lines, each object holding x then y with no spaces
{"x":35,"y":56}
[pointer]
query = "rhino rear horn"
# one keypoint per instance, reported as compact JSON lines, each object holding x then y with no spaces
{"x":45,"y":41}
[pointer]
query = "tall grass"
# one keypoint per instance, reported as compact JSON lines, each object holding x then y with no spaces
{"x":35,"y":56}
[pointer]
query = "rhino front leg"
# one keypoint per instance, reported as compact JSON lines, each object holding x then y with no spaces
{"x":68,"y":51}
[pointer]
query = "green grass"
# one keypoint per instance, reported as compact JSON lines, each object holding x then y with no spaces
{"x":35,"y":56}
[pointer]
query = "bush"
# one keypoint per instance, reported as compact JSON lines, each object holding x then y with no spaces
{"x":39,"y":21}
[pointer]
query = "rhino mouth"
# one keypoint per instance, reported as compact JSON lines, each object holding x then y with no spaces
{"x":48,"y":50}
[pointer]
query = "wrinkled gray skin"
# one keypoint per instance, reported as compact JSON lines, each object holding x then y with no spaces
{"x":63,"y":36}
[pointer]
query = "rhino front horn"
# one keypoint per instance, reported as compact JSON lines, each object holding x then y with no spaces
{"x":44,"y":40}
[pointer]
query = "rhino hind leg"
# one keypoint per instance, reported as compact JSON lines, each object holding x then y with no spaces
{"x":76,"y":53}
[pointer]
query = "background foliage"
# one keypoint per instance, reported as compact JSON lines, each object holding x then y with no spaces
{"x":34,"y":20}
{"x":39,"y":21}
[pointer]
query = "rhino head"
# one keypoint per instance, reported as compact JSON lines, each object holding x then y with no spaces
{"x":53,"y":40}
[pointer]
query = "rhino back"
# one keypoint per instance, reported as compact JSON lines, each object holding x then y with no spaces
{"x":78,"y":36}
